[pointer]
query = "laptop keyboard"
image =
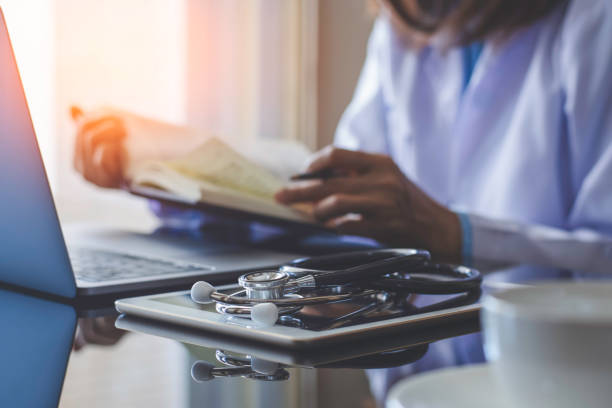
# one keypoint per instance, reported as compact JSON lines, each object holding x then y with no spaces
{"x":94,"y":265}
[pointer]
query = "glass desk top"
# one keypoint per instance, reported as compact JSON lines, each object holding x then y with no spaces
{"x":81,"y":356}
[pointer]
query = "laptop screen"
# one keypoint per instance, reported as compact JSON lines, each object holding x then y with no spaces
{"x":32,"y":250}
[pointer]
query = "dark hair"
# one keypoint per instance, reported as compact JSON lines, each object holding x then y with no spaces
{"x":470,"y":20}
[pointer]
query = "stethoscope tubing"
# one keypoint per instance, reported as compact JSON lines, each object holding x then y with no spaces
{"x":236,"y":299}
{"x":462,"y":279}
{"x":371,"y":270}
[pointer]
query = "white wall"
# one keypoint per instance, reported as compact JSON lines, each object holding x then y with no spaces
{"x":344,"y":27}
{"x":129,"y":54}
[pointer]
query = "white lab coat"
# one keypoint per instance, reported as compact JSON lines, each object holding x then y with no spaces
{"x":525,"y":150}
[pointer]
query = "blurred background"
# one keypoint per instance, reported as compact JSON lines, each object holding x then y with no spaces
{"x":248,"y":68}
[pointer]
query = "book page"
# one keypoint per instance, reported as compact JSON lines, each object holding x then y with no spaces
{"x":193,"y":164}
{"x":283,"y":158}
{"x":159,"y":175}
{"x":150,"y":139}
{"x":217,"y":163}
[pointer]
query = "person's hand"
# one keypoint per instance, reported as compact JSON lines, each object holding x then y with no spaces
{"x":370,"y":196}
{"x":97,"y":330}
{"x":99,"y":152}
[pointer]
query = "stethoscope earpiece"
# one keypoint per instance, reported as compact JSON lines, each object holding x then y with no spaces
{"x":236,"y":366}
{"x":265,"y":314}
{"x":202,"y":371}
{"x":201,"y":292}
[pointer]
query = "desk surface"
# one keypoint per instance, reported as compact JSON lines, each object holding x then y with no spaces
{"x":145,"y":367}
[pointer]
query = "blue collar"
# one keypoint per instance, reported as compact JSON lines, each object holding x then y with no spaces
{"x":471,"y":53}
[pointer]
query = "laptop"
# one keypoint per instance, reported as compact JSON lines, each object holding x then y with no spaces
{"x":33,"y":252}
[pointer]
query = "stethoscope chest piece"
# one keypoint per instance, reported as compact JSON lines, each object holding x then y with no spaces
{"x":266,"y":284}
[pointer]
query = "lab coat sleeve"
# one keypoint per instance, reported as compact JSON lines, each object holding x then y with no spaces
{"x":503,"y":241}
{"x":585,"y":75}
{"x":363,"y":125}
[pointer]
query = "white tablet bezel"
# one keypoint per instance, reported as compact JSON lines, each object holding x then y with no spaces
{"x":148,"y":307}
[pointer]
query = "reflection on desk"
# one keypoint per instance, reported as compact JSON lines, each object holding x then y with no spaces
{"x":374,"y":353}
{"x":35,"y":344}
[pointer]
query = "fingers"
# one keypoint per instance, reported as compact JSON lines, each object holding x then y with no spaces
{"x":94,"y":123}
{"x":341,"y":204}
{"x":79,"y":342}
{"x":355,"y":172}
{"x":357,"y":224}
{"x":98,"y":151}
{"x":106,"y":130}
{"x":315,"y":190}
{"x":108,"y":159}
{"x":98,"y":330}
{"x":341,"y":159}
{"x":351,"y":224}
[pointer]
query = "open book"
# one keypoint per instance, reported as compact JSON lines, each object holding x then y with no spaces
{"x":216,"y":174}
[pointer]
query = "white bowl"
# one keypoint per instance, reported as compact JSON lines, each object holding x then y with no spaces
{"x":550,"y":344}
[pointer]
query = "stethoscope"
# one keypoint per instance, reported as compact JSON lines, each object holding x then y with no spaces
{"x":254,"y":368}
{"x":235,"y":366}
{"x":371,"y":274}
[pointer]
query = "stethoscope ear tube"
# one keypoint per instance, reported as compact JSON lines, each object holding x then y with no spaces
{"x":427,"y":280}
{"x":361,"y":265}
{"x":396,"y":263}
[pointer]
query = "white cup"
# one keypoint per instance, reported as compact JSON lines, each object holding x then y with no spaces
{"x":550,"y":345}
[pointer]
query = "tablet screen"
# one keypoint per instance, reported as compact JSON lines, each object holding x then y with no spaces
{"x":349,"y":312}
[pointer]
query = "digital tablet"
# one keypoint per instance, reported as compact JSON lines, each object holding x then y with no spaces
{"x":324,"y":324}
{"x":353,"y":354}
